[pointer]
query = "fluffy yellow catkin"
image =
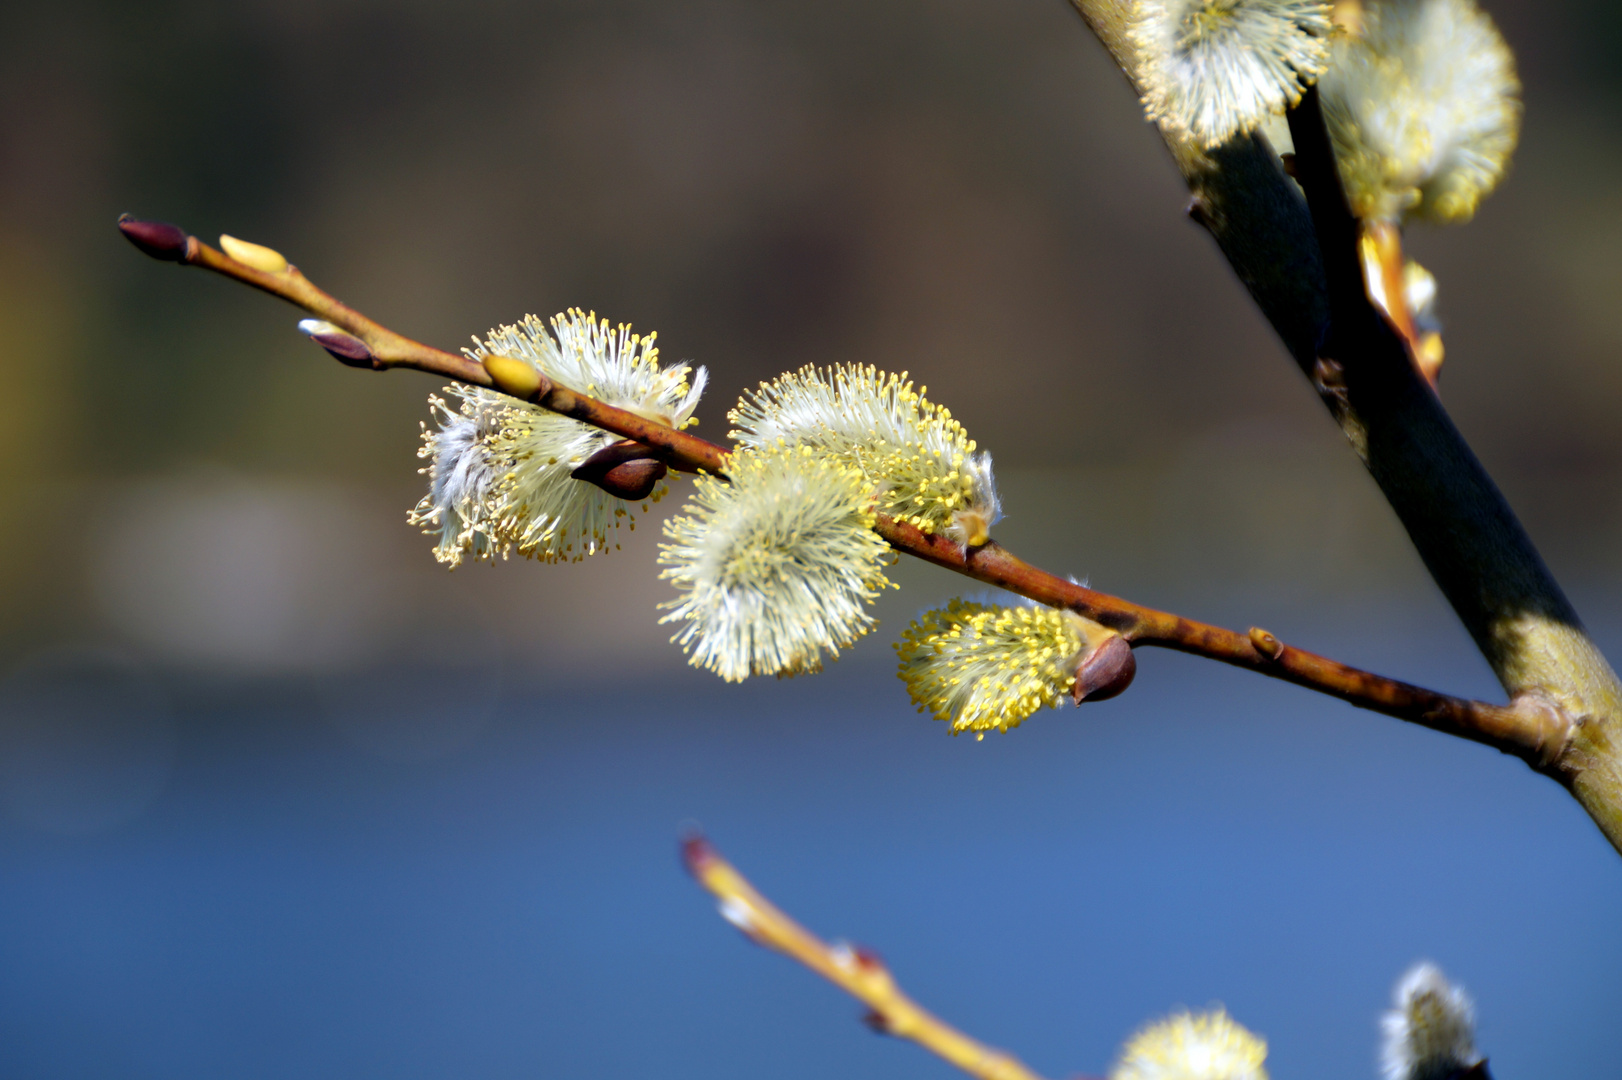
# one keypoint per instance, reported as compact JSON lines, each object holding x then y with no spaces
{"x":1424,"y":109}
{"x":1430,"y":1030}
{"x":776,"y":568}
{"x":500,"y":472}
{"x":980,"y":667}
{"x":1211,"y":69}
{"x":1185,"y":1046}
{"x":926,"y":469}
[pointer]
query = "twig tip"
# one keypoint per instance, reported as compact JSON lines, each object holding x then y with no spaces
{"x":159,"y":239}
{"x":697,"y":853}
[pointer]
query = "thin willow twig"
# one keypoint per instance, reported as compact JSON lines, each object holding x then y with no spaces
{"x":853,"y":969}
{"x":1530,"y":726}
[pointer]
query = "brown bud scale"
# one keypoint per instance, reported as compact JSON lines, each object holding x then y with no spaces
{"x":1107,"y":669}
{"x":345,"y":348}
{"x":158,"y":239}
{"x":634,"y":480}
{"x":627,"y":470}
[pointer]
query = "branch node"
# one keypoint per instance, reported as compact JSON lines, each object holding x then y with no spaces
{"x":876,"y":1021}
{"x":1549,"y":728}
{"x":1270,"y":647}
{"x":1329,"y":379}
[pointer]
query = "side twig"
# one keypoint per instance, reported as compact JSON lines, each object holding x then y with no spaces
{"x":1530,"y":727}
{"x":853,"y":969}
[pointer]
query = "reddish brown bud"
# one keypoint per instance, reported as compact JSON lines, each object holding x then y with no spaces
{"x":1269,"y":646}
{"x":624,"y":469}
{"x":345,"y":347}
{"x":866,"y":958}
{"x":696,"y":852}
{"x":635,"y":480}
{"x":158,"y":239}
{"x":1105,"y":670}
{"x":878,"y":1022}
{"x":349,"y":350}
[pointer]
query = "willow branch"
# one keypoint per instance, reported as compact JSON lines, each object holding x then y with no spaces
{"x":381,"y":348}
{"x":853,"y":969}
{"x":1298,"y":259}
{"x":1528,"y":727}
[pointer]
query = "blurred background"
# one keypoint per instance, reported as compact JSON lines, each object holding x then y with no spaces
{"x":281,"y":797}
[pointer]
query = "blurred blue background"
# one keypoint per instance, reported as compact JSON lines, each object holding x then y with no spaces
{"x":279,"y":797}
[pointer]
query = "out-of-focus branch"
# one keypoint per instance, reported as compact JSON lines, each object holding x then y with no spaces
{"x":1301,"y":268}
{"x":1530,"y":727}
{"x":853,"y":969}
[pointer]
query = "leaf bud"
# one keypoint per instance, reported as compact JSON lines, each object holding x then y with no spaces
{"x":1106,"y":669}
{"x":515,"y":377}
{"x":1270,"y":647}
{"x":158,"y":239}
{"x":257,"y":256}
{"x":623,"y":469}
{"x":345,"y":347}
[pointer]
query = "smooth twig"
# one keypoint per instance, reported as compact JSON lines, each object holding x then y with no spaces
{"x":1529,"y":727}
{"x":853,"y":969}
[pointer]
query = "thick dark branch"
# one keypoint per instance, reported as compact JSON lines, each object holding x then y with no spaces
{"x":1460,"y":523}
{"x":1301,"y":268}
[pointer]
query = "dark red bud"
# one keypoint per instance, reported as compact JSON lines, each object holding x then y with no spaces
{"x":1107,"y":669}
{"x":346,"y":348}
{"x":158,"y":239}
{"x":624,"y":469}
{"x":635,"y":480}
{"x":878,"y":1022}
{"x":696,"y":853}
{"x":866,"y":958}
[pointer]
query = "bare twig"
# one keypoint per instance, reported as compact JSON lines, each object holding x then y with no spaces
{"x":1530,"y":727}
{"x":853,"y":969}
